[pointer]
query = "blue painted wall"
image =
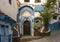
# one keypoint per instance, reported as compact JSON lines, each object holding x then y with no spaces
{"x":7,"y":19}
{"x":54,"y":27}
{"x":21,"y":10}
{"x":39,"y":8}
{"x":4,"y":31}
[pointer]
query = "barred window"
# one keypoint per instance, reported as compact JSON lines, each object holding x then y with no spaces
{"x":26,"y":0}
{"x":37,"y":1}
{"x":9,"y":1}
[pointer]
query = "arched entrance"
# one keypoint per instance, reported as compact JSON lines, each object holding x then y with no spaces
{"x":26,"y":12}
{"x":26,"y":28}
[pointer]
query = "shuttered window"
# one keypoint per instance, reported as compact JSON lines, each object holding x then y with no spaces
{"x":36,"y":1}
{"x":9,"y":1}
{"x":26,"y":0}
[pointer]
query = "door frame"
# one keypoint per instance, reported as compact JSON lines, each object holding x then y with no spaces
{"x":31,"y":20}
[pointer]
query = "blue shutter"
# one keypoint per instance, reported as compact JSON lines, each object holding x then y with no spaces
{"x":6,"y":31}
{"x":2,"y":29}
{"x":10,"y":38}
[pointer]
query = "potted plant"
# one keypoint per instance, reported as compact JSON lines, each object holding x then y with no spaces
{"x":46,"y":16}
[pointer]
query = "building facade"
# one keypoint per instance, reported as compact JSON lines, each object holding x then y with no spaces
{"x":6,"y":28}
{"x":8,"y":13}
{"x":27,"y":12}
{"x":54,"y":23}
{"x":9,"y":7}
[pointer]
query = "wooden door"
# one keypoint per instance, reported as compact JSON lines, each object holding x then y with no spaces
{"x":26,"y":27}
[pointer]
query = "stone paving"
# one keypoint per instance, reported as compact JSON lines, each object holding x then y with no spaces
{"x":55,"y":37}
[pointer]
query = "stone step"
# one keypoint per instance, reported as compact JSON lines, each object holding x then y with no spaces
{"x":29,"y":38}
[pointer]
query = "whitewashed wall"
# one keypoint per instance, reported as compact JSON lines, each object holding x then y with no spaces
{"x":33,"y":2}
{"x":56,"y":20}
{"x":36,"y":14}
{"x":9,"y":9}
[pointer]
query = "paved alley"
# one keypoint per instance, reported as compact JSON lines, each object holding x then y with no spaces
{"x":55,"y":37}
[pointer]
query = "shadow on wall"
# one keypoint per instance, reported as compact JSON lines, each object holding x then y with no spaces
{"x":54,"y":27}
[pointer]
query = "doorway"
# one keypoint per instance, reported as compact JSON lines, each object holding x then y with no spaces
{"x":26,"y":28}
{"x":4,"y":33}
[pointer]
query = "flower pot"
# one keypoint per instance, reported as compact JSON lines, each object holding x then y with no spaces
{"x":36,"y":33}
{"x":47,"y":33}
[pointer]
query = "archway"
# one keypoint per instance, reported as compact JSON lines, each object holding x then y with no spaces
{"x":26,"y":12}
{"x":26,"y":28}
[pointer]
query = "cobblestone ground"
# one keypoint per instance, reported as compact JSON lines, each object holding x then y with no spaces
{"x":55,"y":37}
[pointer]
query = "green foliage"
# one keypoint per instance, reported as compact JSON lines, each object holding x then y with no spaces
{"x":49,"y":2}
{"x":47,"y":14}
{"x":37,"y":25}
{"x":46,"y":17}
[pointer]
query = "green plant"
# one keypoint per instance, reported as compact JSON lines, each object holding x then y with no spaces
{"x":46,"y":17}
{"x":37,"y":25}
{"x":47,"y":13}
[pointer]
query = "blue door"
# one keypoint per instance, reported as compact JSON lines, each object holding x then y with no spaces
{"x":4,"y":33}
{"x":4,"y":39}
{"x":10,"y":38}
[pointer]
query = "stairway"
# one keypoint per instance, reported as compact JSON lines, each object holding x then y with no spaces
{"x":29,"y":38}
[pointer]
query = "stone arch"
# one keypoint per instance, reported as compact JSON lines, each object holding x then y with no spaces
{"x":25,"y":8}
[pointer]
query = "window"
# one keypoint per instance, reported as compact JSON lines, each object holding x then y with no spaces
{"x":9,"y":1}
{"x":4,"y":30}
{"x":26,"y":0}
{"x":37,"y":21}
{"x":37,"y":1}
{"x":59,"y":4}
{"x":55,"y":16}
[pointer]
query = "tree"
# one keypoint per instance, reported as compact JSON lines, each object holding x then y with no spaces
{"x":47,"y":13}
